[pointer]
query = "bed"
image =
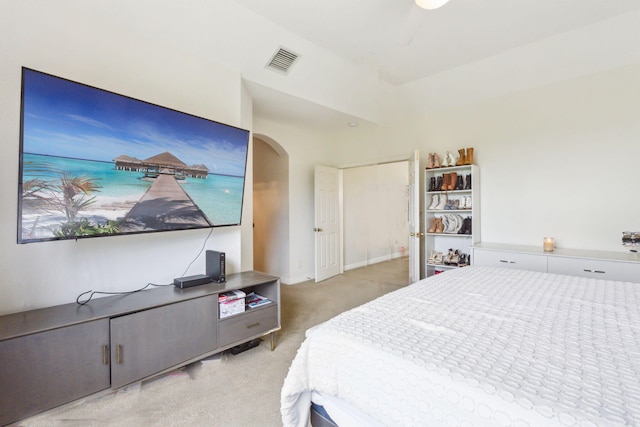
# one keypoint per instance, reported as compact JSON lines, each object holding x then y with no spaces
{"x":475,"y":346}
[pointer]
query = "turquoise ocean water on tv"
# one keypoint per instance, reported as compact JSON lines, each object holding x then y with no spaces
{"x":218,"y":196}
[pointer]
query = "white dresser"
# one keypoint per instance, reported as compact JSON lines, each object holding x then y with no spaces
{"x":624,"y":266}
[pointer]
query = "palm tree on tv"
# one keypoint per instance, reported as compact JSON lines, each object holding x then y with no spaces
{"x":68,"y":194}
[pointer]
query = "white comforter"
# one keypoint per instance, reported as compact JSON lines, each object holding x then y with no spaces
{"x":480,"y":346}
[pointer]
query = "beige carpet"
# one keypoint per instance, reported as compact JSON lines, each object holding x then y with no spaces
{"x":233,"y":391}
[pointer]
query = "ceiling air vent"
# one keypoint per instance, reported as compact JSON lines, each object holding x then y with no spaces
{"x":282,"y":60}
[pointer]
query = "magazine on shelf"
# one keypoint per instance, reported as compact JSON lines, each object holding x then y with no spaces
{"x":254,"y":300}
{"x":230,"y":295}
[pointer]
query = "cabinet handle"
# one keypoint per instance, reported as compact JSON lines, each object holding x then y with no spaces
{"x":118,"y":354}
{"x":253,"y":325}
{"x":507,"y":262}
{"x":105,"y":354}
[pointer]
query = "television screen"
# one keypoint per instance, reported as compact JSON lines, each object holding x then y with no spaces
{"x":95,"y":163}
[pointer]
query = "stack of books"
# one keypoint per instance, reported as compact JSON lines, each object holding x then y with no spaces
{"x":231,"y":302}
{"x":254,"y":300}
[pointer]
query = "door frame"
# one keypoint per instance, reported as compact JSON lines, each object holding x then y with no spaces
{"x":382,"y":161}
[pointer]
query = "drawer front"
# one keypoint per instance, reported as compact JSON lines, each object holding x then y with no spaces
{"x":509,"y":260}
{"x":250,"y":324}
{"x":598,"y":269}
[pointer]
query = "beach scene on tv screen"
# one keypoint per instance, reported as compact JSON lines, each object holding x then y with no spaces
{"x":96,"y":163}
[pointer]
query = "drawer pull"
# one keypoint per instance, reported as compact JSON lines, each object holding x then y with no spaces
{"x":598,"y":271}
{"x":105,"y":354}
{"x":253,"y":325}
{"x":118,"y":354}
{"x":594,"y":271}
{"x":507,"y":262}
{"x":588,"y":271}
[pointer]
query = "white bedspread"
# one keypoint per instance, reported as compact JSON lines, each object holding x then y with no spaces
{"x":480,"y":346}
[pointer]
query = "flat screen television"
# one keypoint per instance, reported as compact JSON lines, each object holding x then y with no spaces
{"x":95,"y":163}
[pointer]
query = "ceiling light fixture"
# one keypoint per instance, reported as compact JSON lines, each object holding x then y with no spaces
{"x":431,"y":4}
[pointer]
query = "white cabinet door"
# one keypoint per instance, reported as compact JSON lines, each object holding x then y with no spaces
{"x":506,"y":259}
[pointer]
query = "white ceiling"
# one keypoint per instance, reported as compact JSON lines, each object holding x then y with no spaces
{"x":463,"y":52}
{"x":441,"y":48}
{"x":407,"y":43}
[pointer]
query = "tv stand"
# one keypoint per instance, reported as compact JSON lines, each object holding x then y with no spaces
{"x":55,"y":355}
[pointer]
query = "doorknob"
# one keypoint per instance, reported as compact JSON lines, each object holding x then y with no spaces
{"x":412,"y":234}
{"x":317,"y":229}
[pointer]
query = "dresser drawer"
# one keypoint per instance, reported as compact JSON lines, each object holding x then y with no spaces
{"x":596,"y":268}
{"x":507,"y":259}
{"x":251,"y":323}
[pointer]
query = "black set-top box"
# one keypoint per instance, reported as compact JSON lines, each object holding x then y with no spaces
{"x":188,"y":281}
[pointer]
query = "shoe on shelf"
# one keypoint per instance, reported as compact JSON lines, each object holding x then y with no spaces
{"x":460,"y":183}
{"x":439,"y":225}
{"x":448,"y":257}
{"x":437,"y":258}
{"x":469,"y":158}
{"x":445,"y":160}
{"x":461,"y":262}
{"x":467,"y":230}
{"x":435,"y":199}
{"x":443,"y":202}
{"x":455,"y":258}
{"x":430,"y":161}
{"x":462,"y":158}
{"x":467,"y":183}
{"x":453,"y":178}
{"x":436,"y":160}
{"x":463,"y":202}
{"x":467,"y":202}
{"x":453,"y":159}
{"x":434,"y":224}
{"x":445,"y":182}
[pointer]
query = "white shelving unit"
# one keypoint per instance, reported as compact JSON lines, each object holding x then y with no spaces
{"x":443,"y":241}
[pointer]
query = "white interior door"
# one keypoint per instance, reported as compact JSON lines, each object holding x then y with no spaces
{"x":327,"y":222}
{"x":414,"y":217}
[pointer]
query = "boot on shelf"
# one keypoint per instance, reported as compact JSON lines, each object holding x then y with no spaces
{"x":469,"y":158}
{"x":432,"y":183}
{"x":445,"y":182}
{"x":445,"y":160}
{"x":463,"y":157}
{"x":434,"y":201}
{"x":438,"y":185}
{"x":430,"y":161}
{"x":439,"y":225}
{"x":467,"y":182}
{"x":432,"y":227}
{"x":442,"y":203}
{"x":467,"y":230}
{"x":436,"y":160}
{"x":460,"y":183}
{"x":452,"y":159}
{"x":453,"y":178}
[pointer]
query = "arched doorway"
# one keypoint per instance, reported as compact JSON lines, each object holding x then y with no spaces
{"x":270,"y":207}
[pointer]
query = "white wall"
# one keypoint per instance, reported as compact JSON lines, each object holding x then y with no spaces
{"x":375,"y":218}
{"x":556,"y":160}
{"x":68,"y":40}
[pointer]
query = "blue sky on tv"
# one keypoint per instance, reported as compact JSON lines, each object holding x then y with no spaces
{"x":68,"y":119}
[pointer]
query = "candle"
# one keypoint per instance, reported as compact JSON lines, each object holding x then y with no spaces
{"x":547,"y":244}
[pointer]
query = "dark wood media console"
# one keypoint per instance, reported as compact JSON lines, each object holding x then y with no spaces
{"x":52,"y":356}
